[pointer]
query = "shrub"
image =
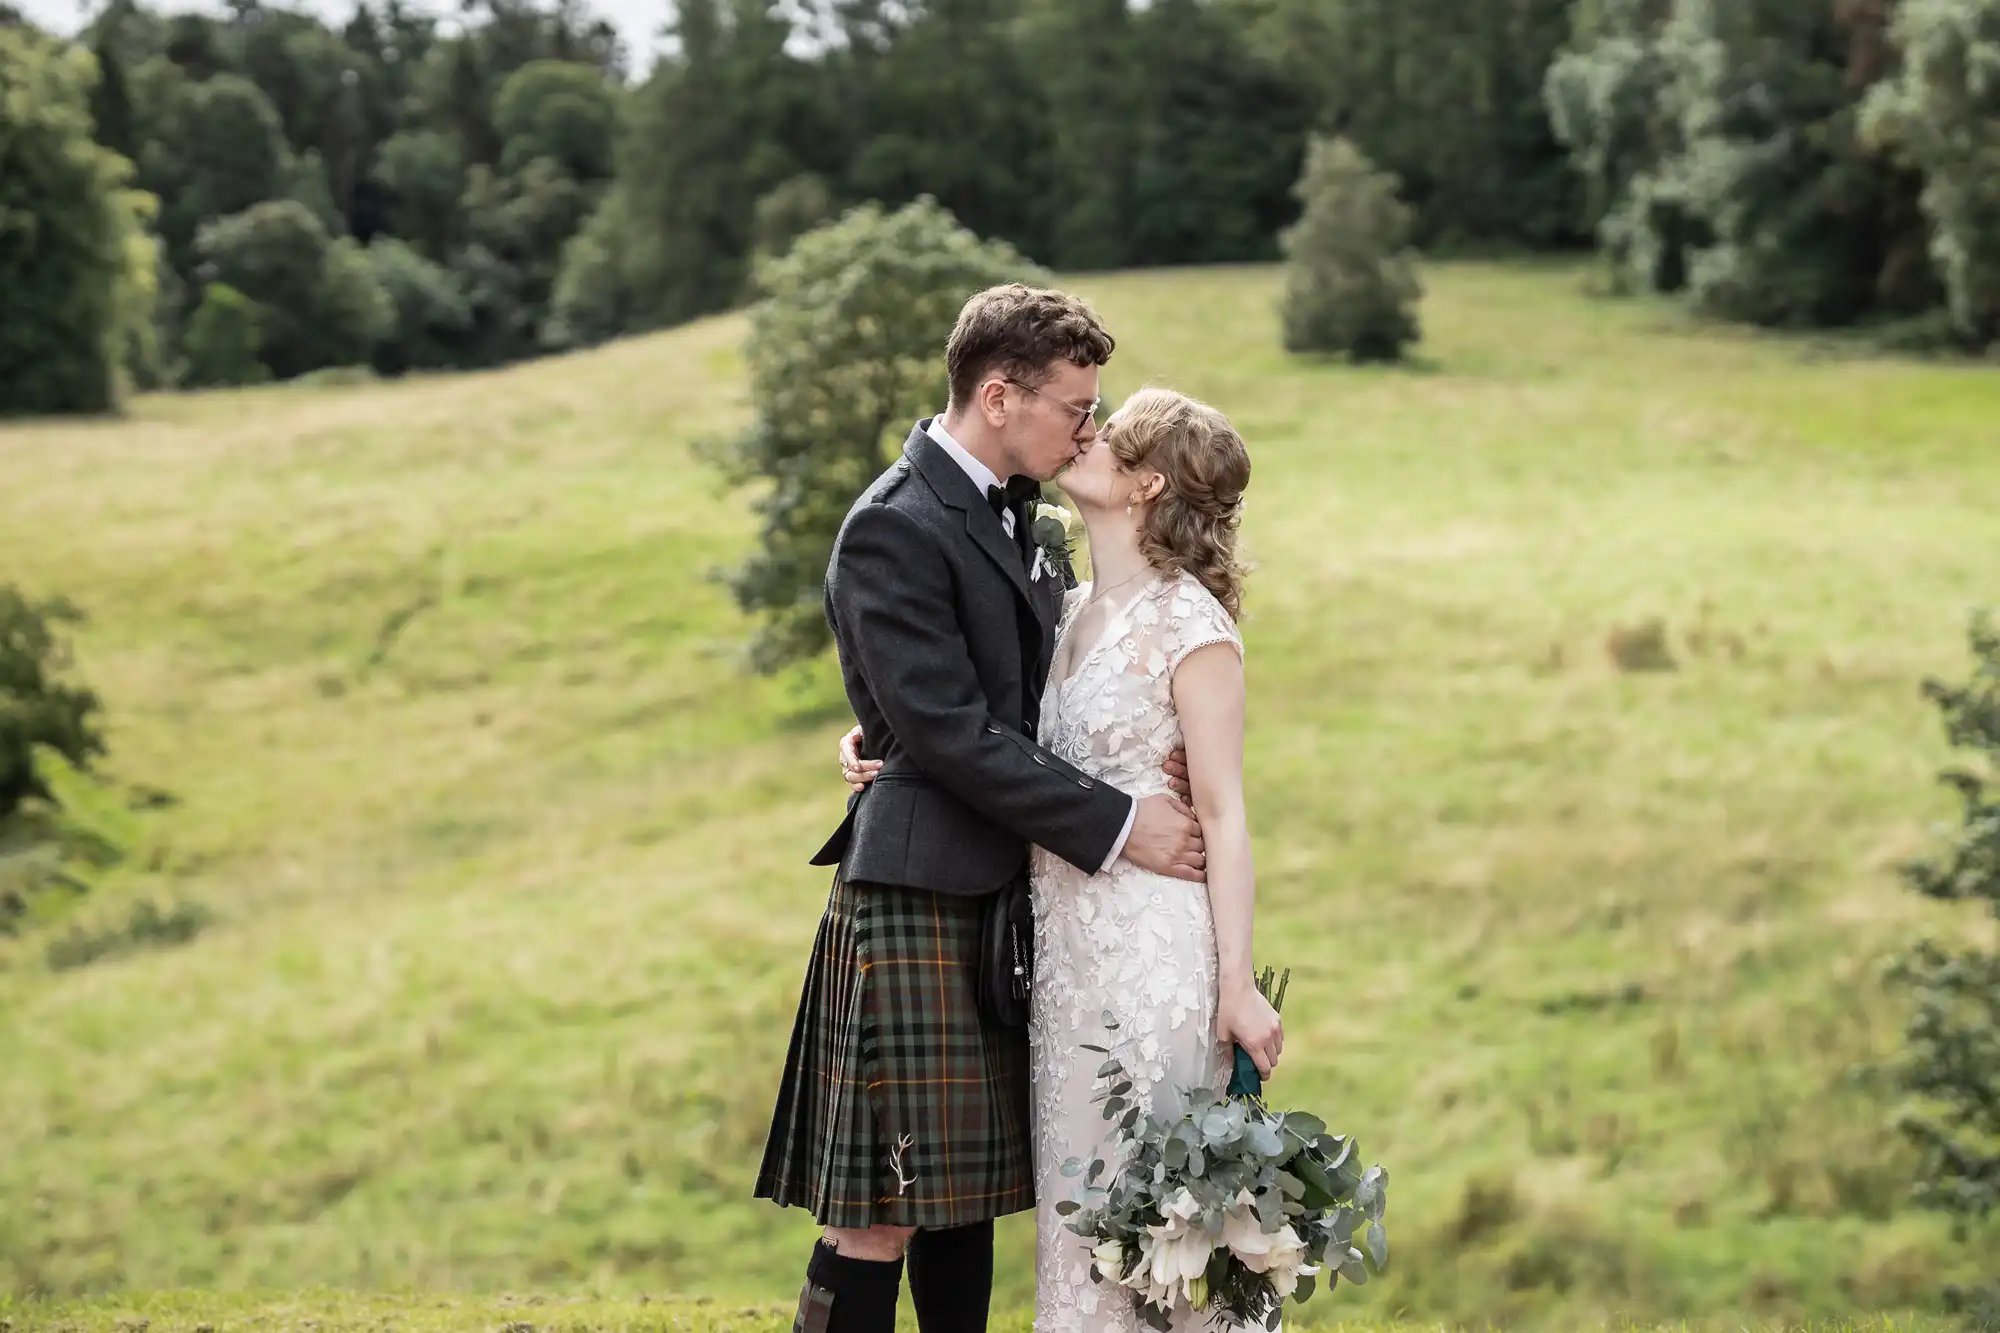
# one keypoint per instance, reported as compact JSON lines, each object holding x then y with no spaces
{"x":1350,"y":283}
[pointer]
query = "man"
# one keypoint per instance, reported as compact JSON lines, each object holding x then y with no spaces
{"x":902,"y":1121}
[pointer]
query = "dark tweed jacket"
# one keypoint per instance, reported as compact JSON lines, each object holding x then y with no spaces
{"x":945,"y":647}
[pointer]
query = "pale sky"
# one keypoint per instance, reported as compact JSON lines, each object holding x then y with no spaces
{"x":637,"y":21}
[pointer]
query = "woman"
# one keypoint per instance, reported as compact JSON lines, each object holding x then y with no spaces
{"x":1147,"y":660}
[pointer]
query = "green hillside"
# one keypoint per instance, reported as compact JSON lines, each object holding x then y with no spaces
{"x":509,"y":857}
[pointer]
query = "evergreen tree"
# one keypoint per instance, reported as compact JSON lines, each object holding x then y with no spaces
{"x":1350,"y":281}
{"x":1952,"y":1065}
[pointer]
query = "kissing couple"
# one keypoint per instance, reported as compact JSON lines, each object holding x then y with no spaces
{"x":1017,"y":862}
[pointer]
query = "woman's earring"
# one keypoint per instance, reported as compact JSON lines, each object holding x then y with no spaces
{"x":1130,"y":505}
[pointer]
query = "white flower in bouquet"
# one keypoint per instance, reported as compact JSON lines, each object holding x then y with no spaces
{"x":1295,"y":1206}
{"x":1285,"y":1281}
{"x":1110,"y":1260}
{"x":1279,"y":1255}
{"x":1174,"y":1254}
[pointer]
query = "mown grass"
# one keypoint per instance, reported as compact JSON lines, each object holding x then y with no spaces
{"x":326,"y":1311}
{"x":507,"y":853}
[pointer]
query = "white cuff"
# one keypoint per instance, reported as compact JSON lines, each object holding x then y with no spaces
{"x":1119,"y":846}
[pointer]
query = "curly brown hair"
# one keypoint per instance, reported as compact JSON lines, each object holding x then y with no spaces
{"x":1021,"y":331}
{"x":1191,"y":526}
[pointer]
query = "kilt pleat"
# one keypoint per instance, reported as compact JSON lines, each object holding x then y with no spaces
{"x":899,"y":1104}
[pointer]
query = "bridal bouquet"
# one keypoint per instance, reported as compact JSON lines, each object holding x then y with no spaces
{"x":1230,"y":1206}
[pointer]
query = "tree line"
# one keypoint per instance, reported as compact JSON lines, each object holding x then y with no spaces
{"x":263,"y":194}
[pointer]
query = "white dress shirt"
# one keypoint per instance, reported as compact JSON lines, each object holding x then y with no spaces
{"x":982,"y":477}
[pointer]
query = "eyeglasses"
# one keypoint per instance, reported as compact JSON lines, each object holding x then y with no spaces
{"x":1085,"y":416}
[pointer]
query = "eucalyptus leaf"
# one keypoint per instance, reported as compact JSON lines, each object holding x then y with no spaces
{"x":1307,"y":1127}
{"x":1378,"y":1244}
{"x":1264,"y":1140}
{"x":1073,"y":1166}
{"x":1353,"y":1269}
{"x":1110,"y":1067}
{"x":1305,"y":1289}
{"x":1068,"y":1206}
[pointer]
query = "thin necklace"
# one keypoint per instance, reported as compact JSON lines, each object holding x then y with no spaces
{"x":1097,"y":594}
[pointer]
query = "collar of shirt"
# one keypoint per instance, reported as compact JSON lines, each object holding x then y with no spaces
{"x":982,"y":475}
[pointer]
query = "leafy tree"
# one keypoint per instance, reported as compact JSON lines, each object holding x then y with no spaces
{"x":518,"y":226}
{"x":846,"y":349}
{"x":423,"y":175}
{"x":194,"y":43}
{"x":39,"y":704}
{"x":1350,"y":280}
{"x":789,"y":212}
{"x":1220,"y":141}
{"x":76,"y":269}
{"x":1952,"y":1064}
{"x":1609,"y":104}
{"x":561,"y":111}
{"x":220,"y":149}
{"x":1807,"y":228}
{"x":1941,"y":116}
{"x":1446,"y":94}
{"x":1084,"y":57}
{"x":111,"y":112}
{"x":990,"y":169}
{"x":432,"y":314}
{"x":48,"y":732}
{"x":592,"y":300}
{"x":322,"y":305}
{"x":223,"y":339}
{"x":719,"y":123}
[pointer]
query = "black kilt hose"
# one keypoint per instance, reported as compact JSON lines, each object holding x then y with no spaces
{"x":900,"y":1105}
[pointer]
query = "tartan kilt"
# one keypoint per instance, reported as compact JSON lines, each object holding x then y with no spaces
{"x":899,"y":1105}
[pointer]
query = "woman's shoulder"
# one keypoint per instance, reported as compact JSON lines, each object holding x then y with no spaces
{"x":1191,"y":617}
{"x":1189,"y":599}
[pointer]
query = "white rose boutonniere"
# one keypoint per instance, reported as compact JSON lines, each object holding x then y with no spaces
{"x":1053,"y":530}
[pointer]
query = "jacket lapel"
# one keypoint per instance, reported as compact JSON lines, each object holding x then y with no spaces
{"x":982,"y":525}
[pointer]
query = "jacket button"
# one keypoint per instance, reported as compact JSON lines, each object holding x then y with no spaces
{"x":994,"y":730}
{"x":1085,"y":783}
{"x":1043,"y":762}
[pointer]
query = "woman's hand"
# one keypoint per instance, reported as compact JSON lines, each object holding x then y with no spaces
{"x":856,"y":771}
{"x":1245,"y":1018}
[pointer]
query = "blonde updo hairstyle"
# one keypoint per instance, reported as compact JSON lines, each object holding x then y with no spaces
{"x":1191,"y":525}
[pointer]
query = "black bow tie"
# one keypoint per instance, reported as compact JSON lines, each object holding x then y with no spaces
{"x":1019,"y":491}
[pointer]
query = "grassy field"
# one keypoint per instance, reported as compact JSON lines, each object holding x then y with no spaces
{"x":345,"y":1312}
{"x":508,"y":856}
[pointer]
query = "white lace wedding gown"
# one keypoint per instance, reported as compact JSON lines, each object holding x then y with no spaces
{"x":1136,"y":944}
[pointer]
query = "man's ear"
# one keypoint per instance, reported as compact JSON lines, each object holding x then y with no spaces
{"x":991,"y":400}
